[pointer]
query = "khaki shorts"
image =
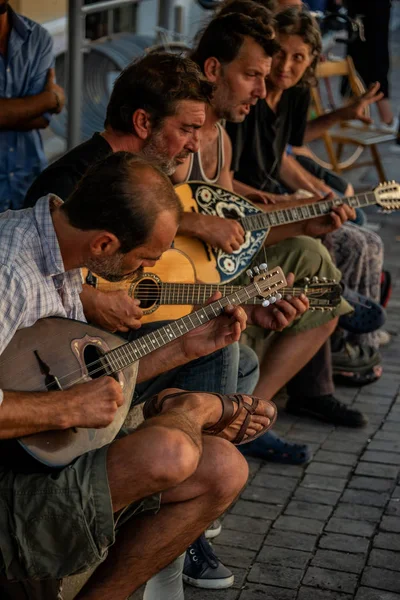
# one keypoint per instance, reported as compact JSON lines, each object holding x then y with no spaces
{"x":305,"y":257}
{"x":59,"y":523}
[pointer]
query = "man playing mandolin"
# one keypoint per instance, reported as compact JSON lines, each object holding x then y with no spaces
{"x":58,"y":521}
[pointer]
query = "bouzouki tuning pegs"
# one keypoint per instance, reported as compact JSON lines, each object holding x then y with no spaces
{"x":263,"y":267}
{"x":256,"y":270}
{"x":273,"y":299}
{"x":249,"y":273}
{"x":278,"y":296}
{"x":265,"y":303}
{"x":315,"y":279}
{"x":306,"y":280}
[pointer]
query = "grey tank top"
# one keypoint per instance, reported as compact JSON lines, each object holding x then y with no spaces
{"x":196,"y":173}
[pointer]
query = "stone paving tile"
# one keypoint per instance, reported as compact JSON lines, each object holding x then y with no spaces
{"x":284,"y":557}
{"x":387,"y":436}
{"x":239,"y":523}
{"x":274,"y":575}
{"x":321,"y":482}
{"x":328,"y":470}
{"x":385,"y":559}
{"x":350,"y":527}
{"x":299,"y":524}
{"x":337,"y":458}
{"x":285,"y":470}
{"x":337,"y":447}
{"x":254,"y":502}
{"x":240,"y":575}
{"x":391,"y":524}
{"x":276,"y":482}
{"x":388,"y":541}
{"x":318,"y":496}
{"x":393,"y":507}
{"x":370,"y":483}
{"x":330,"y":580}
{"x":367,"y":498}
{"x":358,"y":512}
{"x":383,"y":579}
{"x":288,"y":539}
{"x":386,"y":458}
{"x":307,"y":593}
{"x":376,"y":470}
{"x":339,"y":561}
{"x":309,"y":510}
{"x":365,"y":593}
{"x":249,"y":540}
{"x":344,"y":543}
{"x":371,"y":408}
{"x":253,"y":592}
{"x":235,"y":557}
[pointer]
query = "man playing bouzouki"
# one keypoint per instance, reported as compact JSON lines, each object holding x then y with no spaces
{"x":233,"y":62}
{"x":56,"y":522}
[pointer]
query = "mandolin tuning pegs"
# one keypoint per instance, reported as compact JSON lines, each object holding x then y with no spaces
{"x":249,"y":273}
{"x":266,"y":303}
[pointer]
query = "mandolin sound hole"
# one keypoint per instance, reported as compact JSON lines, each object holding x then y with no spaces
{"x":148,"y":292}
{"x":91,"y":356}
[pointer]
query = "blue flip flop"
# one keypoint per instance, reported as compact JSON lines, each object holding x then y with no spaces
{"x":367,"y":316}
{"x":271,"y":448}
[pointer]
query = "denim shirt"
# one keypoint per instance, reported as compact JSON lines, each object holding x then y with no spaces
{"x":23,"y":72}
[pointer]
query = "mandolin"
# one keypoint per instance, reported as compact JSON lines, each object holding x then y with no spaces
{"x":215,"y":266}
{"x":56,"y":353}
{"x":163,"y":298}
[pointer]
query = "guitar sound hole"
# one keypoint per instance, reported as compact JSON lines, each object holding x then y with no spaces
{"x":91,"y":356}
{"x":148,"y":292}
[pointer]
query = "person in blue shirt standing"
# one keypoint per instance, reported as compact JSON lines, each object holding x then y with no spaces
{"x":28,"y":98}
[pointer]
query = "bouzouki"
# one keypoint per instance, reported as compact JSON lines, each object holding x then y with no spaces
{"x":216,"y":266}
{"x":56,"y":353}
{"x":169,"y":290}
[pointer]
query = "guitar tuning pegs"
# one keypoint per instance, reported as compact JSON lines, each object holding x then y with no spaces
{"x":306,"y":280}
{"x":315,"y":279}
{"x":324,"y":279}
{"x":265,"y":303}
{"x":249,"y":273}
{"x":256,"y":270}
{"x":264,"y":267}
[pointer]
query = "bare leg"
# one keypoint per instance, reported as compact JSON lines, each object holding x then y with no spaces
{"x":147,"y":544}
{"x":287,"y":355}
{"x":385,"y":111}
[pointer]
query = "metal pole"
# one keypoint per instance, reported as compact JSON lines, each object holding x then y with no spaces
{"x":178,"y":20}
{"x":75,"y":71}
{"x":110,"y":22}
{"x":164,"y":11}
{"x":89,"y":9}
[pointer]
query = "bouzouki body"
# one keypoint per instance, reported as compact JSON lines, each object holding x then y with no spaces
{"x":65,"y":347}
{"x":214,"y":265}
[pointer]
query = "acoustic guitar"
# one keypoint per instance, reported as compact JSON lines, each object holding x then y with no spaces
{"x":216,"y":266}
{"x":170,"y":290}
{"x":56,"y":353}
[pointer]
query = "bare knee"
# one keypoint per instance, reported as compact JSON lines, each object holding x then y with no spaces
{"x":226,"y":471}
{"x":174,"y":457}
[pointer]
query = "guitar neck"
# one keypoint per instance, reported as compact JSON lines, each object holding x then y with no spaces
{"x":198,"y":293}
{"x":285,"y":216}
{"x":125,"y":355}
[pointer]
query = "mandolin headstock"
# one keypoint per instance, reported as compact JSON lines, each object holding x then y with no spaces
{"x":268,"y":283}
{"x":387,"y":196}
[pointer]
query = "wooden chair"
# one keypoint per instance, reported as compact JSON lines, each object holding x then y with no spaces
{"x":360,"y":137}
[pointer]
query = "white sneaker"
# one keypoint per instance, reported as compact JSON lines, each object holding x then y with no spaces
{"x":213,"y":530}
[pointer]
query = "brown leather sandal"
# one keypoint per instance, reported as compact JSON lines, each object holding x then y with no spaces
{"x":153,"y":408}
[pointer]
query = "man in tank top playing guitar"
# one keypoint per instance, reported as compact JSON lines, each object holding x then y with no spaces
{"x":237,"y":66}
{"x":57,"y":521}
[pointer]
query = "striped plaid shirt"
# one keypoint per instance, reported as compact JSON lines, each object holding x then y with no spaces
{"x":33,"y":282}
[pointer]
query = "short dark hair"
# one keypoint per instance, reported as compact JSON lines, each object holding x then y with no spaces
{"x":247,"y":7}
{"x":299,"y":21}
{"x":112,"y":196}
{"x":224,"y":36}
{"x":156,"y":83}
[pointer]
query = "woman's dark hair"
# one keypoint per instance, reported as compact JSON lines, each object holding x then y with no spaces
{"x":224,"y":36}
{"x":115,"y":195}
{"x":299,"y":21}
{"x":155,"y":83}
